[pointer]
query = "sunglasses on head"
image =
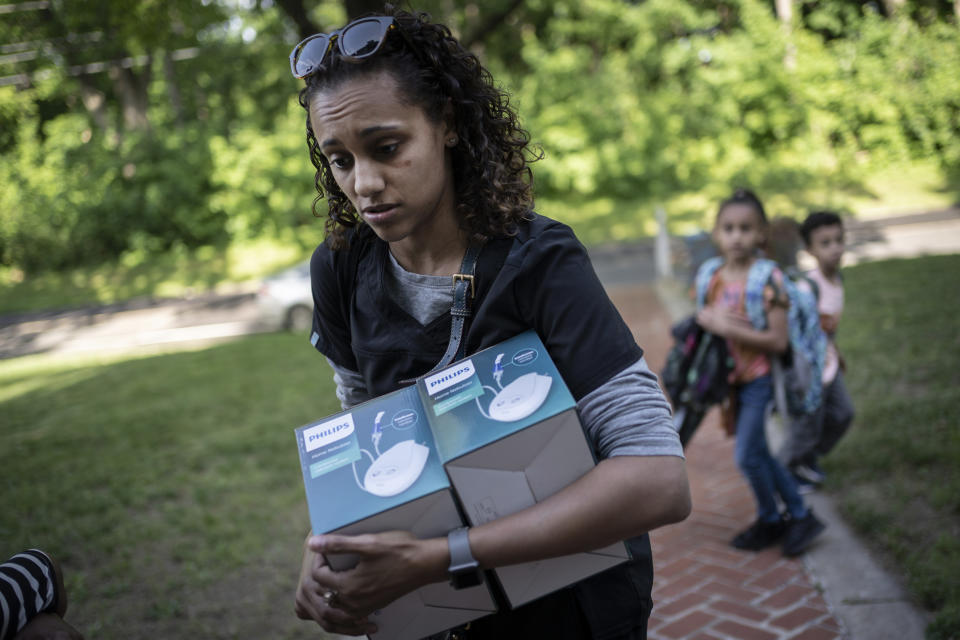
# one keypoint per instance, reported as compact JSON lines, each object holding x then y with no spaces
{"x":357,"y":40}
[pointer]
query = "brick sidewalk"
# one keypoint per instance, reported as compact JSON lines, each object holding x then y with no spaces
{"x":704,"y":589}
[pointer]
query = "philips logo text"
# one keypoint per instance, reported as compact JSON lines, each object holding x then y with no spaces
{"x":449,"y":377}
{"x":328,"y":432}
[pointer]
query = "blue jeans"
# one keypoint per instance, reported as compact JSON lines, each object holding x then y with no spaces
{"x":767,"y":477}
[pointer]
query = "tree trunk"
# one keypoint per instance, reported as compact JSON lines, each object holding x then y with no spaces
{"x":298,"y":13}
{"x":491,"y":23}
{"x":95,"y":103}
{"x":173,"y":89}
{"x":132,"y":91}
{"x":785,"y":15}
{"x":357,"y":8}
{"x":892,"y":7}
{"x":130,"y":88}
{"x":785,"y":11}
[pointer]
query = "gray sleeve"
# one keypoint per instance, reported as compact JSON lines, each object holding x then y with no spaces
{"x":630,"y":416}
{"x":351,"y":388}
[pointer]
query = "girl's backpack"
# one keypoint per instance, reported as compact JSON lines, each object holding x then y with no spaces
{"x":697,"y":366}
{"x":695,"y":375}
{"x":803,"y":362}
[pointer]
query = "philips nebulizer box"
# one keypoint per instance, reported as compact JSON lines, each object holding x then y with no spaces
{"x":492,"y":434}
{"x":375,"y":468}
{"x":508,"y":432}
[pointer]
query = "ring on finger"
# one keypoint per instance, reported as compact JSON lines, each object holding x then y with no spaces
{"x":330,"y":596}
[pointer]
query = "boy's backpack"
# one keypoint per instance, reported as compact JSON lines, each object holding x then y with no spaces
{"x":803,"y":361}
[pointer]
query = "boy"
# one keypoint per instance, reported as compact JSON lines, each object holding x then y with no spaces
{"x":814,"y":435}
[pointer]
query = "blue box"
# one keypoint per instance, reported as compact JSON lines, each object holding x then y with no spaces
{"x":406,"y":488}
{"x":509,"y":435}
{"x":494,"y":433}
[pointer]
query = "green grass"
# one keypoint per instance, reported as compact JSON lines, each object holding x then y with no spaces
{"x":897,"y":473}
{"x":169,"y":486}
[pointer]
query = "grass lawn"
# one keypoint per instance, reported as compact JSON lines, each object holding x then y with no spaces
{"x":169,"y":486}
{"x":897,"y":473}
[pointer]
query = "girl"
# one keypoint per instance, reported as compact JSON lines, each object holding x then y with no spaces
{"x":424,"y":167}
{"x":741,"y":297}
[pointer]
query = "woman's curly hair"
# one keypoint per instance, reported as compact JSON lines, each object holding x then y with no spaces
{"x":492,"y":177}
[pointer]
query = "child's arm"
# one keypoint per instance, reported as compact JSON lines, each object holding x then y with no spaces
{"x":773,"y":339}
{"x":829,"y":322}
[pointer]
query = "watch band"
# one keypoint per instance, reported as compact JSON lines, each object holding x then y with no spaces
{"x":464,"y":569}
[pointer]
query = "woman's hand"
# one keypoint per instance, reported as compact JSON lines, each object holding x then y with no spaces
{"x":310,"y":603}
{"x":389,"y":566}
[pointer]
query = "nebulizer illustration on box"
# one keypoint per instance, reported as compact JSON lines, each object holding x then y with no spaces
{"x":396,"y":469}
{"x":518,"y":399}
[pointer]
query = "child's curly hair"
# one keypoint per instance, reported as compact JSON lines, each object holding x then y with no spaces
{"x":492,"y":177}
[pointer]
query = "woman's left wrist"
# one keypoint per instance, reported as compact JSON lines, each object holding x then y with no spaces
{"x":433,"y":558}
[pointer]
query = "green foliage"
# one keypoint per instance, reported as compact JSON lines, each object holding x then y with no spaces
{"x":656,"y":100}
{"x":66,"y":202}
{"x":141,"y":128}
{"x":899,"y":467}
{"x":169,"y":154}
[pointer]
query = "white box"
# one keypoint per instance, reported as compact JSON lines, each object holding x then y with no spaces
{"x":507,"y":429}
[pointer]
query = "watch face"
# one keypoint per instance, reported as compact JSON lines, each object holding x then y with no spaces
{"x":466,"y":578}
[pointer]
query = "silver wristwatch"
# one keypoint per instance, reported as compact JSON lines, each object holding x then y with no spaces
{"x":464,"y":569}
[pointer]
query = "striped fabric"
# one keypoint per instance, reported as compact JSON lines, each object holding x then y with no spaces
{"x":27,"y":587}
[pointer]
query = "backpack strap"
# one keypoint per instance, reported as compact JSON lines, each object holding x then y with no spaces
{"x":463,"y":294}
{"x":704,"y":275}
{"x":461,"y":309}
{"x":757,"y":278}
{"x":761,"y":271}
{"x":804,"y":276}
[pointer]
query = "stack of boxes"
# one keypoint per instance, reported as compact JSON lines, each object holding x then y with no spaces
{"x":487,"y":436}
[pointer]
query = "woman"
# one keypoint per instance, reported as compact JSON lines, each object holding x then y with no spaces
{"x":424,"y":167}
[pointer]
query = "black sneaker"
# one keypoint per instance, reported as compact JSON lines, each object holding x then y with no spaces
{"x":804,"y":486}
{"x":810,"y":473}
{"x":759,"y":535}
{"x":800,"y":533}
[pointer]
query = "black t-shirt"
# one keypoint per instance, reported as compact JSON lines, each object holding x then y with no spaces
{"x":539,"y":279}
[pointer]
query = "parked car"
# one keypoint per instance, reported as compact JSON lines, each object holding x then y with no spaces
{"x":285,"y":300}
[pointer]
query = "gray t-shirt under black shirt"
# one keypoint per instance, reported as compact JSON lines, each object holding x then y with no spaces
{"x":626,"y":416}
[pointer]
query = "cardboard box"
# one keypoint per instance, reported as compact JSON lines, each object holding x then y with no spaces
{"x":375,"y":468}
{"x":497,"y":431}
{"x":508,"y":431}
